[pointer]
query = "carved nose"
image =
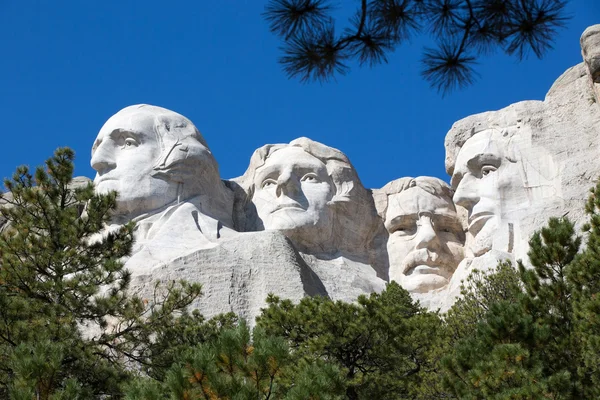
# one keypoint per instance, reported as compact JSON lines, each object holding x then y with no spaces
{"x":466,"y":194}
{"x":102,"y":160}
{"x":427,"y":236}
{"x":287,"y":184}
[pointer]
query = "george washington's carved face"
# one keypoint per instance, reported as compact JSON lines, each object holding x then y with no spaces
{"x":124,"y":155}
{"x":590,"y":46}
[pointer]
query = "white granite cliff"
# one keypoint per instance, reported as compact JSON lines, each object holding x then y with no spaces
{"x":299,"y":222}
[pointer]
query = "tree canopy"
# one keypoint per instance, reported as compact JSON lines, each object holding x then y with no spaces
{"x":69,"y":329}
{"x":68,"y":326}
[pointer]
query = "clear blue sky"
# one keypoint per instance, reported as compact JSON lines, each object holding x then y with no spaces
{"x":67,"y":66}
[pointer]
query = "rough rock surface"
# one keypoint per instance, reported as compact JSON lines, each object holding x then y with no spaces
{"x":425,"y":241}
{"x":300,"y":223}
{"x":547,"y":159}
{"x":590,"y":50}
{"x":237,"y":275}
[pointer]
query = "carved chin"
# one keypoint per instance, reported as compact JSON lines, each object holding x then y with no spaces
{"x":290,"y":219}
{"x":423,"y":283}
{"x":106,"y":186}
{"x":483,"y":241}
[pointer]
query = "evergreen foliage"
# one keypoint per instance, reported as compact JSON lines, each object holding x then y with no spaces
{"x":186,"y":331}
{"x":478,"y":293}
{"x":584,"y":278}
{"x":242,"y":366}
{"x":516,"y":333}
{"x":59,"y":275}
{"x":380,"y":345}
{"x":533,"y":340}
{"x":462,"y":31}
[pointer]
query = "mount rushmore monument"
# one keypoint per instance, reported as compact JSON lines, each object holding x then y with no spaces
{"x":299,"y":222}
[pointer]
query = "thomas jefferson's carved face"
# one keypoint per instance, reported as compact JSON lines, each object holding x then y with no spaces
{"x":426,"y":240}
{"x":123,"y":156}
{"x":292,"y":189}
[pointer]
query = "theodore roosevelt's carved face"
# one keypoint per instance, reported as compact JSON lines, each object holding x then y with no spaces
{"x":292,"y":189}
{"x":124,"y":155}
{"x":426,"y":239}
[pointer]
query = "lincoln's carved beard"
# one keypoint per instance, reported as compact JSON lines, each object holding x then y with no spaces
{"x":481,"y":240}
{"x":495,"y":231}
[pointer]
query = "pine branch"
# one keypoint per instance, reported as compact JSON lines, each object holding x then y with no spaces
{"x":463,"y":30}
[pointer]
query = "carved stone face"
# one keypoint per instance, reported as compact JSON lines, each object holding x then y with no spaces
{"x":292,"y":189}
{"x":123,"y":156}
{"x":590,"y":46}
{"x":488,"y":185}
{"x":426,"y":240}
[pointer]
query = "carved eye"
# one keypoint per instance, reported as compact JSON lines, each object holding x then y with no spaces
{"x":486,"y":169}
{"x":449,"y":229}
{"x":310,"y":178}
{"x":268,"y":182}
{"x":405,"y":230}
{"x":129,"y":143}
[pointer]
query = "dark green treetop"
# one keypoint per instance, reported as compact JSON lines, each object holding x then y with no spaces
{"x":59,"y":277}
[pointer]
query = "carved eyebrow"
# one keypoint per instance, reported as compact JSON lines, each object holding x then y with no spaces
{"x":263,"y":172}
{"x":400,"y":220}
{"x":114,"y":134}
{"x":482,"y":159}
{"x":305,"y":169}
{"x":446,"y":220}
{"x":124,"y":132}
{"x":455,"y":179}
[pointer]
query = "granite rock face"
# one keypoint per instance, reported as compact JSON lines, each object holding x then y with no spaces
{"x":514,"y":168}
{"x":238,"y":274}
{"x":590,"y":50}
{"x":312,"y":194}
{"x":299,"y":222}
{"x":168,"y":183}
{"x":425,"y":235}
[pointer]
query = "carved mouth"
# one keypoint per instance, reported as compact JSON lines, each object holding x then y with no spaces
{"x":100,"y":180}
{"x":478,"y":220}
{"x":422,"y":269}
{"x":425,"y":262}
{"x":288,"y":206}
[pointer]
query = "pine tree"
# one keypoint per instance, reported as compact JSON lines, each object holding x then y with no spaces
{"x":525,"y":346}
{"x":239,"y":365}
{"x":584,"y":277}
{"x":381,"y":345}
{"x":58,"y":275}
{"x":188,"y":330}
{"x":478,"y":293}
